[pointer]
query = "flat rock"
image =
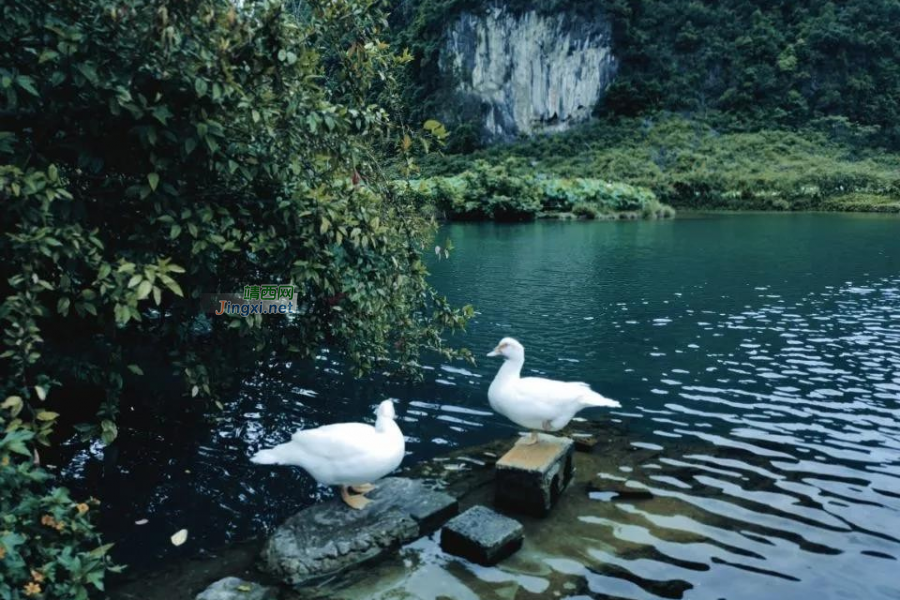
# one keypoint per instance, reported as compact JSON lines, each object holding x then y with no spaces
{"x":234,"y":588}
{"x":531,"y":477}
{"x":482,"y":536}
{"x":324,"y":539}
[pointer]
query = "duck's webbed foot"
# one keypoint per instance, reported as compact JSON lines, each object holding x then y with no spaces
{"x":357,"y":502}
{"x":531,"y":440}
{"x":365,"y":488}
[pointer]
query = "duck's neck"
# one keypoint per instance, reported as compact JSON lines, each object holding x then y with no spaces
{"x":387,"y":425}
{"x":511,"y":369}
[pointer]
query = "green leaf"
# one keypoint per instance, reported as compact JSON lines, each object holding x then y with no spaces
{"x":109,"y":431}
{"x":101,"y":550}
{"x":27,"y":84}
{"x":135,"y":369}
{"x":153,"y":180}
{"x":144,"y":289}
{"x":46,"y":415}
{"x":14,"y":404}
{"x":173,"y":285}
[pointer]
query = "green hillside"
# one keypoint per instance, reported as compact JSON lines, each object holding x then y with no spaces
{"x":774,"y":105}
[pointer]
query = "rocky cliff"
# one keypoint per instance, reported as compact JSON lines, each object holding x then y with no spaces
{"x":527,"y":72}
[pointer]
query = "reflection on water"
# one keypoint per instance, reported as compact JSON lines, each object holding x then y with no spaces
{"x":766,"y":346}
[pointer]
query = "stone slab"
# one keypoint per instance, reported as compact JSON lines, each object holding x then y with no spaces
{"x":234,"y":588}
{"x":482,"y":536}
{"x":531,"y":478}
{"x":325,"y":539}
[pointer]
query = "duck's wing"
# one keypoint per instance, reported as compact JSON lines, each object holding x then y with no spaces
{"x":337,"y":441}
{"x":549,"y":391}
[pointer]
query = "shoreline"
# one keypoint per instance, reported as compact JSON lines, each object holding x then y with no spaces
{"x":603,"y":448}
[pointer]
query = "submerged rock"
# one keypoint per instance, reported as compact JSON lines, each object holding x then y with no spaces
{"x":234,"y":588}
{"x":482,"y":536}
{"x":325,"y":539}
{"x":621,"y":490}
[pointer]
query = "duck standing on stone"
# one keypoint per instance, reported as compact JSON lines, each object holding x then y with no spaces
{"x":351,"y":455}
{"x":534,"y":402}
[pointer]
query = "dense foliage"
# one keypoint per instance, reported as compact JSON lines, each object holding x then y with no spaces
{"x":781,"y":62}
{"x":688,"y":164}
{"x":158,"y":151}
{"x":749,"y":65}
{"x":48,"y":547}
{"x":502,"y":192}
{"x":152,"y":152}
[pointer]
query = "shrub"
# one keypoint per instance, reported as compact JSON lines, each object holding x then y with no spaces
{"x":153,"y":151}
{"x":495,"y":193}
{"x":503,"y":193}
{"x":690,"y":164}
{"x":585,"y":210}
{"x":162,"y":150}
{"x":48,"y":546}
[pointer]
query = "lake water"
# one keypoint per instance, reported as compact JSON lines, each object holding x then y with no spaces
{"x":770,"y":341}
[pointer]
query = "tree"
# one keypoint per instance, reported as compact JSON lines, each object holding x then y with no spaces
{"x":155,"y":151}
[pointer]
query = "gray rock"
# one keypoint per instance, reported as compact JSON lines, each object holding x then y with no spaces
{"x":482,"y":536}
{"x":234,"y":588}
{"x":324,"y":539}
{"x":531,"y":478}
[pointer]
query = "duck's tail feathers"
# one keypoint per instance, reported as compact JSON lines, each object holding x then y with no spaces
{"x":595,"y":399}
{"x":267,"y":457}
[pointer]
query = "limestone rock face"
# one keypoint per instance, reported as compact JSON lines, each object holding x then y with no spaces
{"x":327,"y":538}
{"x":529,"y":72}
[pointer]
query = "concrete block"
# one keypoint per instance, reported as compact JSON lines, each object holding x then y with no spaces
{"x":482,"y":536}
{"x":531,"y":478}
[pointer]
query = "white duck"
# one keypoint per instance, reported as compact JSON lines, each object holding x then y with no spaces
{"x":534,"y":402}
{"x":351,"y":455}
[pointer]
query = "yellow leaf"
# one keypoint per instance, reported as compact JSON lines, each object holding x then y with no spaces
{"x":179,"y":537}
{"x":46,"y":415}
{"x":41,"y":392}
{"x":407,"y":142}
